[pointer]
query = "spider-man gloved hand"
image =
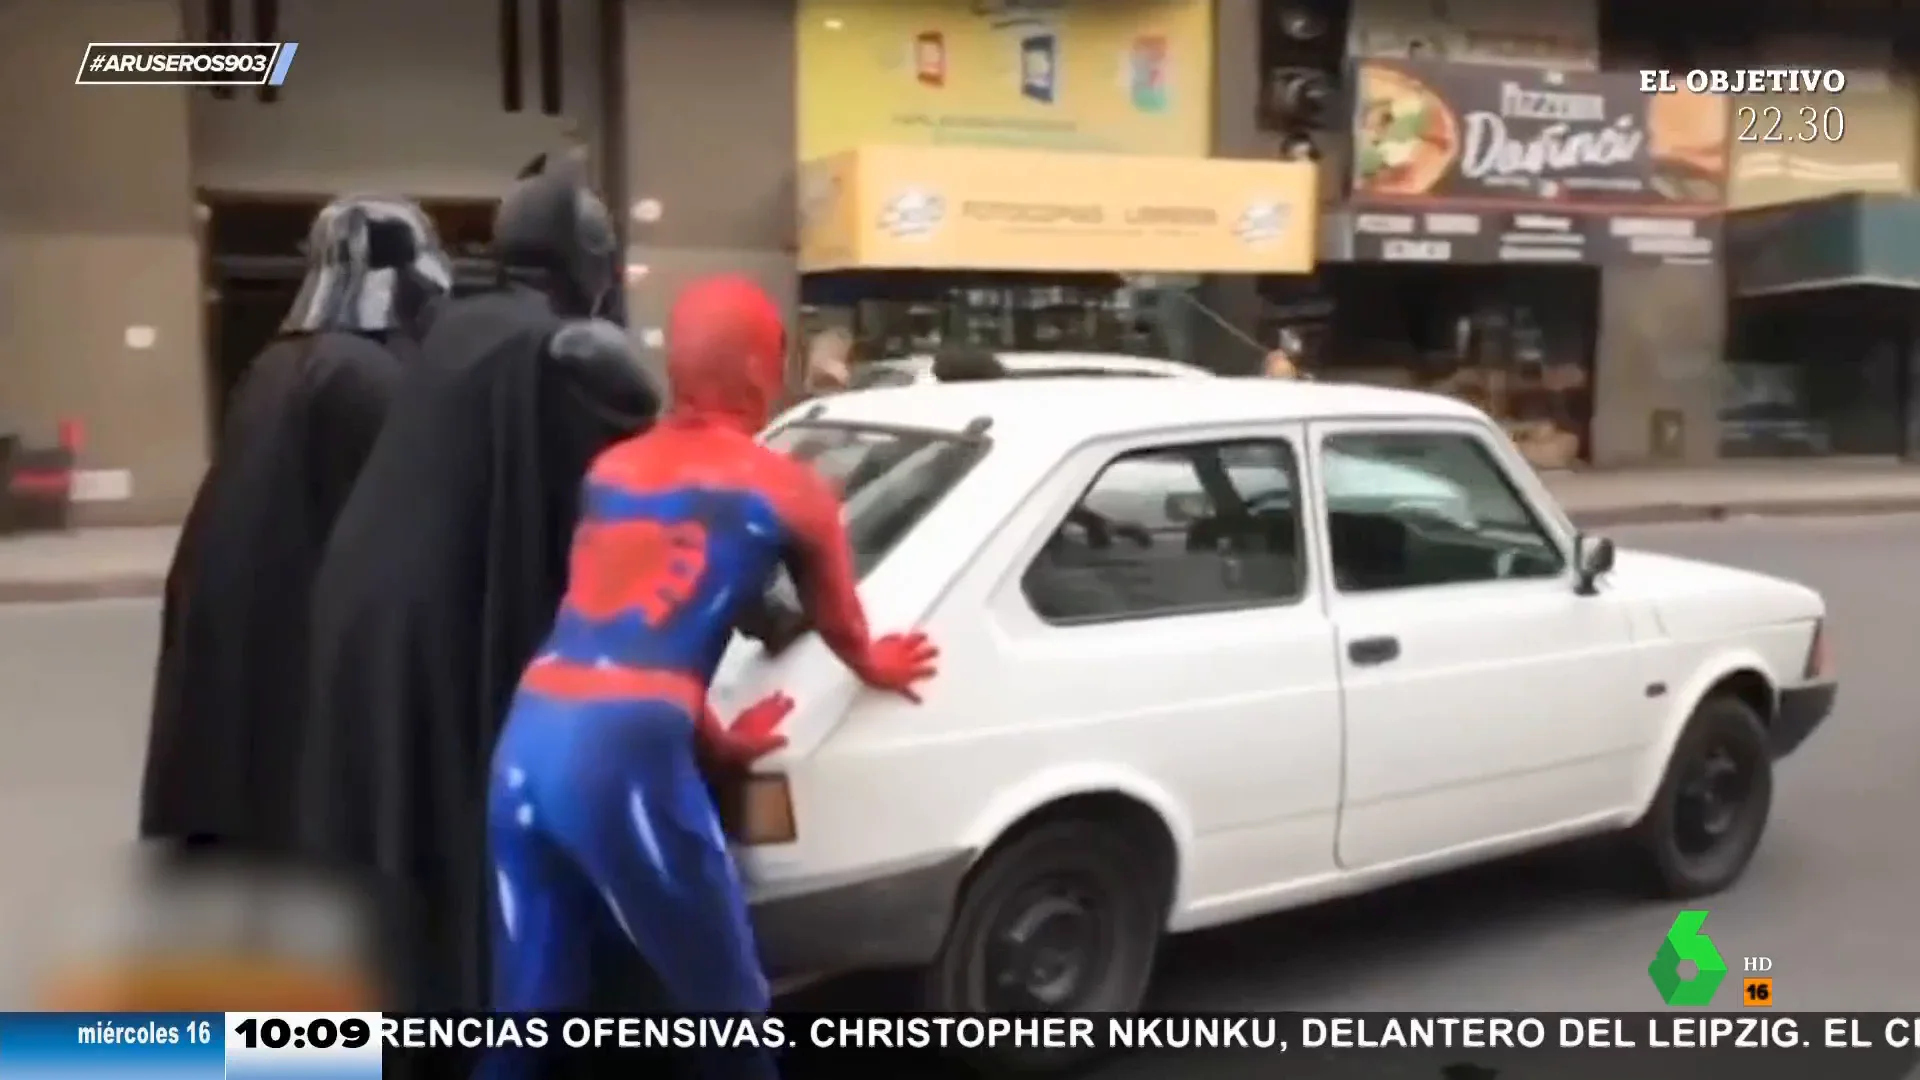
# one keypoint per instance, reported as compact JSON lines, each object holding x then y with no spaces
{"x":897,"y":661}
{"x":753,"y":734}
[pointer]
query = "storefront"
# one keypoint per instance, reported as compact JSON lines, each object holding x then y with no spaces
{"x":1825,"y":329}
{"x":1823,"y":268}
{"x":1041,"y":166}
{"x":1484,"y":204}
{"x":914,"y":246}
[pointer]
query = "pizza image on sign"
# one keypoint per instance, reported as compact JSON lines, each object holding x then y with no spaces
{"x":1406,"y":138}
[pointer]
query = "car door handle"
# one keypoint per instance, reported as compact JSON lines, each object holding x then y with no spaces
{"x":1368,"y":651}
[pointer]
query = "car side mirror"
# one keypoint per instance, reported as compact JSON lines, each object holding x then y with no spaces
{"x":1592,"y":558}
{"x":1186,"y":507}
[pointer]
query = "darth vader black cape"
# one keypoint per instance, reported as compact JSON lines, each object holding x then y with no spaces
{"x":233,"y":645}
{"x":441,"y":579}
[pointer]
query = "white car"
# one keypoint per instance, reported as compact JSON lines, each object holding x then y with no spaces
{"x":1148,"y":725}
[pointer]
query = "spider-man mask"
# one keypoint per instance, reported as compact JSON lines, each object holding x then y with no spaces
{"x":726,"y":351}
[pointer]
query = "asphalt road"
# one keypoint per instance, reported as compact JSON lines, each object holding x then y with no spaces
{"x":1831,"y":896}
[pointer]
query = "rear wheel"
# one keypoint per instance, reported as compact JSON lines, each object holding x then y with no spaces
{"x":1708,"y":815}
{"x":1059,"y":918}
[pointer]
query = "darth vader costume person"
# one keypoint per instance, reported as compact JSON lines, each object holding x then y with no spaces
{"x":230,"y":686}
{"x":446,"y":565}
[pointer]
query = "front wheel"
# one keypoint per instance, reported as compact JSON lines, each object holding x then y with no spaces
{"x":1711,"y":808}
{"x":1058,"y":919}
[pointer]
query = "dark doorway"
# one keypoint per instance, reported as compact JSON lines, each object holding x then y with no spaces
{"x":1516,"y":342}
{"x":1819,"y":372}
{"x":256,"y":261}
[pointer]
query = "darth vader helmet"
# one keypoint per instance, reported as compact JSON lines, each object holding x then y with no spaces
{"x":374,"y":265}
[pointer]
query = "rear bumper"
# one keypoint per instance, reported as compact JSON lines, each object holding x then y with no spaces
{"x":1802,"y":709}
{"x":894,"y":919}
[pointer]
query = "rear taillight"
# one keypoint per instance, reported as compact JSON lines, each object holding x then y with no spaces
{"x":758,"y":809}
{"x":1819,"y":662}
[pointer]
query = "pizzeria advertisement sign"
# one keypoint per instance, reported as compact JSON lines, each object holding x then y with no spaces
{"x":1464,"y":137}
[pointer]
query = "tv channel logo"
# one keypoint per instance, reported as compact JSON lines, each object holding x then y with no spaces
{"x":1685,"y":941}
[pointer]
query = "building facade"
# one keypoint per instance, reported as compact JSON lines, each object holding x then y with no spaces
{"x":152,"y":236}
{"x":146,"y":248}
{"x":111,"y":307}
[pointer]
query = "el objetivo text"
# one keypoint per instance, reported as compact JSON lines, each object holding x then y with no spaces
{"x":1658,"y":1031}
{"x":1764,"y":123}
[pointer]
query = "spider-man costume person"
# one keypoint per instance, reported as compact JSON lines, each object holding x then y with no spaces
{"x":597,"y":808}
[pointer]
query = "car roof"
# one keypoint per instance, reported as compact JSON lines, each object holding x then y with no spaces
{"x":1072,"y":410}
{"x":921,"y":365}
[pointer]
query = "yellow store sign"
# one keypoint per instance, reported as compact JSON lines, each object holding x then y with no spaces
{"x":1115,"y":76}
{"x":1789,"y":147}
{"x":946,"y":208}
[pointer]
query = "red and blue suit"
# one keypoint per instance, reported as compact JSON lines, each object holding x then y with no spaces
{"x":598,"y":807}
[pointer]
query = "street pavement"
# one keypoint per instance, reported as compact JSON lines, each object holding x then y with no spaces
{"x":1831,"y":896}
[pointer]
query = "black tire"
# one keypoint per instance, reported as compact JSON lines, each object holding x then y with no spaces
{"x":1084,"y":881}
{"x":1705,"y":822}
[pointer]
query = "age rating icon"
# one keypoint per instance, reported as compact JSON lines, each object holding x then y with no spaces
{"x":1684,"y":942}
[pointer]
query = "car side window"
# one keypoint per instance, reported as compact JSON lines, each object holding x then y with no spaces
{"x":1175,"y":530}
{"x":1413,"y":509}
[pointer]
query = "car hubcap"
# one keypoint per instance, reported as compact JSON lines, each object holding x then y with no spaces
{"x":1713,"y":798}
{"x":1045,"y":951}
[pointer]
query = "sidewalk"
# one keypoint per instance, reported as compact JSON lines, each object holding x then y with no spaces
{"x":1739,"y":489}
{"x":87,"y":564}
{"x":106,"y":563}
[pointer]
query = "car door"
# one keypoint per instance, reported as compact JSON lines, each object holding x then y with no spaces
{"x":1170,"y":625}
{"x":1484,"y":698}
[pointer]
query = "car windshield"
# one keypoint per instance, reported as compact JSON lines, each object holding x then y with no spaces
{"x":888,"y":478}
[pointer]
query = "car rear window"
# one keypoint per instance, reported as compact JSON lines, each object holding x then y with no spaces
{"x":888,"y":477}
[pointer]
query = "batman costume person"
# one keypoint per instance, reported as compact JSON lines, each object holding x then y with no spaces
{"x":229,"y":691}
{"x":446,"y":565}
{"x":599,"y":817}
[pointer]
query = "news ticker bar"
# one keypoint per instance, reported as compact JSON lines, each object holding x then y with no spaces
{"x":186,"y":63}
{"x":355,"y":1046}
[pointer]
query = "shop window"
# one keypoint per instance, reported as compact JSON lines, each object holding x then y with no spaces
{"x":1815,"y":373}
{"x":1515,"y":342}
{"x":905,"y":314}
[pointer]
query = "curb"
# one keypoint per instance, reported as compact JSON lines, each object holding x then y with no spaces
{"x":1673,"y":513}
{"x":52,"y":591}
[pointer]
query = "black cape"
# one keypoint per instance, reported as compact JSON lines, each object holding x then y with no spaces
{"x":441,"y":579}
{"x":229,"y":689}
